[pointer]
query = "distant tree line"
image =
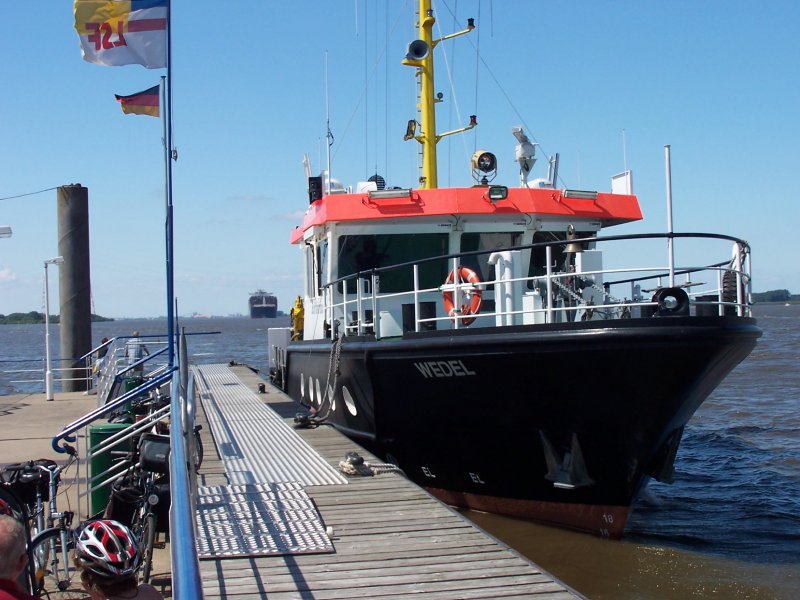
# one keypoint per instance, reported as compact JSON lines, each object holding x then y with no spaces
{"x":776,"y":296}
{"x":34,"y":318}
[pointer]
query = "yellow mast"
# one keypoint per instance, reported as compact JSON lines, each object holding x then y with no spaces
{"x":422,"y":57}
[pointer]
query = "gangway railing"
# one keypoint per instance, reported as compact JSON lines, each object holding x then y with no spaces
{"x":68,"y":435}
{"x":186,"y":583}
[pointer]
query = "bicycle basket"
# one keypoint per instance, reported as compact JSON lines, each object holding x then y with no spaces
{"x":24,"y":479}
{"x":154,"y":453}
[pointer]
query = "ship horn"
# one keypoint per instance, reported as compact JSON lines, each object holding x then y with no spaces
{"x":417,"y":50}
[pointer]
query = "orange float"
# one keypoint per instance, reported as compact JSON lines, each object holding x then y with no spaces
{"x":473,"y":306}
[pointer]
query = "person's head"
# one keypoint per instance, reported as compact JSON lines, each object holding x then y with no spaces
{"x":135,"y":334}
{"x":107,"y":549}
{"x":12,"y":547}
{"x":104,"y":340}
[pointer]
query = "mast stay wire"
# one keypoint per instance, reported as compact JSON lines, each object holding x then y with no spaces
{"x":450,"y":109}
{"x":454,"y":103}
{"x":362,"y":96}
{"x":477,"y":73}
{"x":30,"y":193}
{"x":366,"y":89}
{"x":504,"y":92}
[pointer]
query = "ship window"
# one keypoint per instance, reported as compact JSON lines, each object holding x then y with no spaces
{"x":308,"y":255}
{"x":367,"y":252}
{"x":322,"y":265}
{"x":490,"y":242}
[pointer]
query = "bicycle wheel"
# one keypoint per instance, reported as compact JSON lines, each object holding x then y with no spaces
{"x":146,"y":543}
{"x":48,"y":553}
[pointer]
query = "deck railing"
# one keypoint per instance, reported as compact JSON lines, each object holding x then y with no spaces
{"x":580,"y":289}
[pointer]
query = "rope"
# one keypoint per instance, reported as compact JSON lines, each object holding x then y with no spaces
{"x":354,"y":465}
{"x":30,"y":193}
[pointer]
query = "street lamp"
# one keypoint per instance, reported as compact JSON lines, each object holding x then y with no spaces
{"x":48,"y":376}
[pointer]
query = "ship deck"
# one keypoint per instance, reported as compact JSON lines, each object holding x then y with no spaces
{"x":276,"y":517}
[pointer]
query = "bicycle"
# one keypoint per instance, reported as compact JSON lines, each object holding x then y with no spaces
{"x":154,"y":403}
{"x":140,"y":498}
{"x":50,"y":530}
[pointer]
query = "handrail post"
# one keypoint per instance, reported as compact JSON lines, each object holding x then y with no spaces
{"x":549,"y":257}
{"x":416,"y":299}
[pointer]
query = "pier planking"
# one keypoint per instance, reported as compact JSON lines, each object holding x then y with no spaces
{"x":391,"y":538}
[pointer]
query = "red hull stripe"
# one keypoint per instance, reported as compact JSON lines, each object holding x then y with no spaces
{"x":605,"y":521}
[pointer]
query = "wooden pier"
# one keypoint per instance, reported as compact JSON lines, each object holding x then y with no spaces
{"x":386,"y":537}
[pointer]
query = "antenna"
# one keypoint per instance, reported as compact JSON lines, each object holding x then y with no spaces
{"x":624,"y":152}
{"x":670,"y":247}
{"x":328,"y":135}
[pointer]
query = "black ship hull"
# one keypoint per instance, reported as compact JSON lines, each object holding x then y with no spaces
{"x":263,"y":312}
{"x":559,"y":423}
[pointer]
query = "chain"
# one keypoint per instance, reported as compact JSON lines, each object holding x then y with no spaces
{"x":333,"y":366}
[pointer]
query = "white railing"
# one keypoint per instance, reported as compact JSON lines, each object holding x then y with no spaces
{"x":583,"y":291}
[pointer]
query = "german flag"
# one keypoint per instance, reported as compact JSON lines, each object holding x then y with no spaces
{"x":143,"y":103}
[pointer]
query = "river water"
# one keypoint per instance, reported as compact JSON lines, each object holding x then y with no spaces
{"x":729,"y":527}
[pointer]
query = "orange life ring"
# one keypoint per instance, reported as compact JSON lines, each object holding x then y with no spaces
{"x":473,"y":295}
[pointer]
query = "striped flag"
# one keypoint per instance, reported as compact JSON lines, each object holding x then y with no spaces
{"x":123,"y":32}
{"x":143,"y":103}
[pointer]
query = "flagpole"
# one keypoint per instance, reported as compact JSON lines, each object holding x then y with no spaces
{"x":168,"y":189}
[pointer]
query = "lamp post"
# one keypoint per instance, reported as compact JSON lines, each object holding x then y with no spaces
{"x":48,"y":376}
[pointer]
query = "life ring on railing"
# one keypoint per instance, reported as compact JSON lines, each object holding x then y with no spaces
{"x":473,"y":294}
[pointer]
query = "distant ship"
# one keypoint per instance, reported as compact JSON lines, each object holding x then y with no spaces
{"x":263,"y":305}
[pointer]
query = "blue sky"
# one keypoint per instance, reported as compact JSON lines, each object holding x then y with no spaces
{"x":718,"y":81}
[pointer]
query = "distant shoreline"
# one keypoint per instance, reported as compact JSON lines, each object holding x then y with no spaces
{"x":37,"y":318}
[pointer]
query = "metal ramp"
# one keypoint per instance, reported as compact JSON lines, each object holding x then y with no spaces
{"x":264,"y":509}
{"x":254,"y":520}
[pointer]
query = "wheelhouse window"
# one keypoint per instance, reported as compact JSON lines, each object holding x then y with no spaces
{"x":362,"y":253}
{"x":490,"y":242}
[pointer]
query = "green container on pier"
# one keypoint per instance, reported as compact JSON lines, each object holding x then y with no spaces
{"x":101,"y":463}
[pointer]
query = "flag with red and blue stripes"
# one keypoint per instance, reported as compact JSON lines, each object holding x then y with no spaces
{"x":123,"y":32}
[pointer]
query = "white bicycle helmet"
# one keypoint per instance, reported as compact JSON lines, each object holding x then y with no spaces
{"x":107,"y":547}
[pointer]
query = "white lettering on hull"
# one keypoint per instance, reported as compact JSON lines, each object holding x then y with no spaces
{"x":443,"y":368}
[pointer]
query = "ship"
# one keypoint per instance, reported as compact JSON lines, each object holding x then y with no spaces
{"x":501,"y":344}
{"x":263,"y":305}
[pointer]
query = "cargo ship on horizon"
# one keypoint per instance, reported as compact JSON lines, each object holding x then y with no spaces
{"x":263,"y":305}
